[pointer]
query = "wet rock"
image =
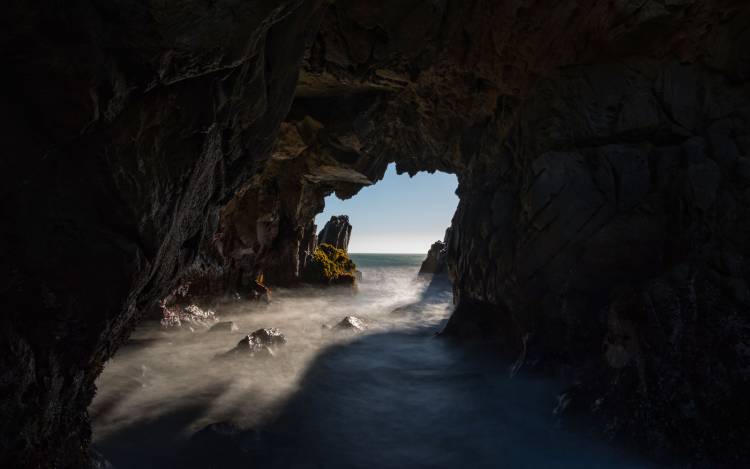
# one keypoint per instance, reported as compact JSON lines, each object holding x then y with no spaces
{"x":190,"y":317}
{"x":224,"y":326}
{"x":256,"y":290}
{"x":351,"y":323}
{"x":261,"y":343}
{"x":271,"y":337}
{"x":336,"y":232}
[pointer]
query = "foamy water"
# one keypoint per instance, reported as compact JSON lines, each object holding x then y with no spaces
{"x":394,"y":396}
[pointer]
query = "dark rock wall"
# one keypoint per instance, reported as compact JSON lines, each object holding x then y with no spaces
{"x":126,"y":127}
{"x":616,"y":238}
{"x":601,"y":149}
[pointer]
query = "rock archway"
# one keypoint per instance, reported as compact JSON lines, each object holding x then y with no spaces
{"x":601,"y":148}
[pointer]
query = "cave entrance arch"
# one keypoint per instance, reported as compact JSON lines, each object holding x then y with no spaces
{"x":398,"y":214}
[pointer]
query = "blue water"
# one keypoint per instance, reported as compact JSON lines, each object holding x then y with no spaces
{"x":392,"y":396}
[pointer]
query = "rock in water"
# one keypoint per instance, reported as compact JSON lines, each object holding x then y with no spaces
{"x":435,"y":261}
{"x":175,"y":317}
{"x":260,"y":343}
{"x":336,"y":232}
{"x":351,"y":323}
{"x":268,"y":336}
{"x":329,"y":265}
{"x":224,"y":326}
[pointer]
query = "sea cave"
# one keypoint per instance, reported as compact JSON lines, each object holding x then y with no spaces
{"x":588,"y":304}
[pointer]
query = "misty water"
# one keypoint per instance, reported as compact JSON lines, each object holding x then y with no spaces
{"x":394,"y":396}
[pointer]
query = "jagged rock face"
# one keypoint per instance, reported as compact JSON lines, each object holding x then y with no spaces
{"x":126,"y":127}
{"x":435,"y":262}
{"x":336,"y":232}
{"x":601,"y":149}
{"x":618,"y":222}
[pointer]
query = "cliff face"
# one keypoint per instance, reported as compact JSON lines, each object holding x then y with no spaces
{"x":602,"y":150}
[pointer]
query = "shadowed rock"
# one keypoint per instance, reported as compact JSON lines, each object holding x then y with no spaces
{"x":260,"y":343}
{"x":336,"y":232}
{"x":435,"y":262}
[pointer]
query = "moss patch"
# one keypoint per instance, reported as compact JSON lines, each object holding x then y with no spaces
{"x":331,"y":266}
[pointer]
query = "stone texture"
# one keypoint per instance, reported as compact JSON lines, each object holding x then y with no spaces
{"x":601,"y":149}
{"x":127,"y":126}
{"x":262,"y":343}
{"x":435,"y":262}
{"x":337,"y":232}
{"x":351,"y":323}
{"x":191,"y":316}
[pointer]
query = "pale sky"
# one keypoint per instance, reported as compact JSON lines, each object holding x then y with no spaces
{"x":398,"y":214}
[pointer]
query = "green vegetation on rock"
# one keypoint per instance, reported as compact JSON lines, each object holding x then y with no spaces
{"x":330,"y":265}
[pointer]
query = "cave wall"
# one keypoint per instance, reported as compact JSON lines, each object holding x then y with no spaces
{"x":126,"y":127}
{"x":615,"y":237}
{"x":601,"y":149}
{"x":602,"y":224}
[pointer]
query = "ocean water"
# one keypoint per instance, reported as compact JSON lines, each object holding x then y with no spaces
{"x":393,"y":396}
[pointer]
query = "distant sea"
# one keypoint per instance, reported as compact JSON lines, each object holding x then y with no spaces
{"x":372,"y":260}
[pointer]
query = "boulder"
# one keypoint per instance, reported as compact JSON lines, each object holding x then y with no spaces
{"x":260,"y":343}
{"x":189,"y":317}
{"x":270,"y":336}
{"x":351,"y":323}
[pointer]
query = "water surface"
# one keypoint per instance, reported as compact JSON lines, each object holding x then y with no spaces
{"x":394,"y":396}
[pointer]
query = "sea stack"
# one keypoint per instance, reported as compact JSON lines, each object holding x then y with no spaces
{"x":336,"y":232}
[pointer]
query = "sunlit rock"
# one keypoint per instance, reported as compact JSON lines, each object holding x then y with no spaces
{"x":260,"y":343}
{"x":351,"y":323}
{"x":190,"y":317}
{"x":329,"y":265}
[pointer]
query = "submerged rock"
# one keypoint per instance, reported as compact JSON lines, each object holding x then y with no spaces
{"x":351,"y":323}
{"x":224,"y":326}
{"x":260,"y":343}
